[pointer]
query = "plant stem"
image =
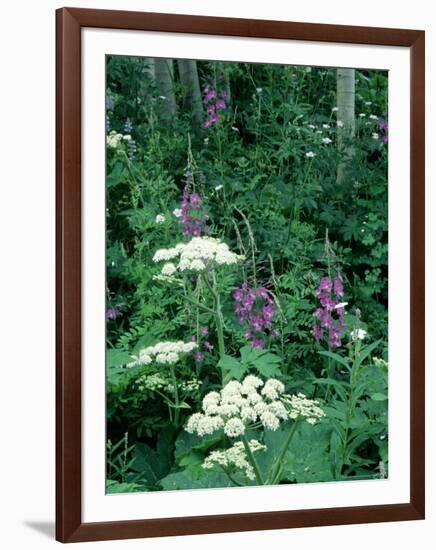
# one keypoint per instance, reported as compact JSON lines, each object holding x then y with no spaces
{"x":176,"y":396}
{"x":278,"y":463}
{"x":217,"y":312}
{"x":252,"y":461}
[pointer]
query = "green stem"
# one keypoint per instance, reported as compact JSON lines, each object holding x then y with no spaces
{"x":217,"y":312}
{"x":252,"y":461}
{"x":176,"y":396}
{"x":276,"y":469}
{"x":200,"y":306}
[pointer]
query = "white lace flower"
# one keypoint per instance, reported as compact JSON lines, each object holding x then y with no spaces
{"x":165,"y":254}
{"x":272,"y":389}
{"x":160,"y":218}
{"x":234,"y":458}
{"x":197,"y":265}
{"x":168,"y":269}
{"x":299,"y":406}
{"x":240,"y":405}
{"x":198,"y":254}
{"x":269,"y":421}
{"x":114,"y":139}
{"x":163,"y":352}
{"x":177,"y":212}
{"x":234,"y":427}
{"x":250,"y":382}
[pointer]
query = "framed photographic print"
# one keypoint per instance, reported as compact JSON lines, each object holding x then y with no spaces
{"x":240,"y":274}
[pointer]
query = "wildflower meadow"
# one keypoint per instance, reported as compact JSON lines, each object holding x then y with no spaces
{"x":247,"y":274}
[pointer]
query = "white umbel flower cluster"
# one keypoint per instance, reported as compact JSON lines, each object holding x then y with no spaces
{"x":163,"y":353}
{"x":299,"y":406}
{"x":238,"y":405}
{"x":114,"y":139}
{"x":234,"y":458}
{"x":196,"y":255}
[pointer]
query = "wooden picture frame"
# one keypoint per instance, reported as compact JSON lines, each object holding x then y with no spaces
{"x":69,"y":526}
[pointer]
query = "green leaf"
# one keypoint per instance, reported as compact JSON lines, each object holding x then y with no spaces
{"x":379,"y":397}
{"x":340,"y":387}
{"x":187,"y":442}
{"x":184,"y":480}
{"x":116,"y":176}
{"x":150,"y":463}
{"x":336,"y":357}
{"x":363,"y":354}
{"x":232,"y":368}
{"x":265,"y":362}
{"x":113,"y":487}
{"x":117,"y":358}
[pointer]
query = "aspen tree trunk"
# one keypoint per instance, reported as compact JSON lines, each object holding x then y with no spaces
{"x":164,"y":74}
{"x":149,"y":67}
{"x":191,"y":90}
{"x":345,"y":97}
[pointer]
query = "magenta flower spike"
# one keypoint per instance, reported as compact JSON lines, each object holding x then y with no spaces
{"x":254,"y":307}
{"x":329,"y":324}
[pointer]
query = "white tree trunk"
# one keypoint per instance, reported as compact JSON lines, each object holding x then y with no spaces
{"x":164,"y":74}
{"x":345,"y":93}
{"x":191,"y":90}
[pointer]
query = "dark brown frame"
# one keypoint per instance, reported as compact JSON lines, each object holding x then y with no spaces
{"x":69,"y":527}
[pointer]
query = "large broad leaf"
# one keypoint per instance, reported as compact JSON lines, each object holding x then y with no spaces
{"x":113,"y":487}
{"x":151,"y":464}
{"x":116,"y":370}
{"x":267,"y":364}
{"x":183,"y":480}
{"x":232,"y":368}
{"x":307,"y":458}
{"x":116,"y":176}
{"x":187,"y":442}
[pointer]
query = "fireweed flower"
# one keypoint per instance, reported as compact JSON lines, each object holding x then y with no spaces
{"x":163,"y":353}
{"x":214,"y":102}
{"x":191,"y":214}
{"x":113,"y":312}
{"x":383,"y":127}
{"x":199,"y":254}
{"x":255,"y":308}
{"x":329,"y":323}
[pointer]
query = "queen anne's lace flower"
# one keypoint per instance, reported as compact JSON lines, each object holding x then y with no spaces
{"x":164,"y":353}
{"x":234,"y":458}
{"x":299,"y":406}
{"x":234,"y":427}
{"x":239,"y":405}
{"x":198,"y":254}
{"x":169,"y":269}
{"x":272,"y":389}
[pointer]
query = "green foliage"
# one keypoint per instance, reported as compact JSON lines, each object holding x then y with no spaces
{"x":278,"y":207}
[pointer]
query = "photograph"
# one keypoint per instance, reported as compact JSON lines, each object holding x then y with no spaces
{"x":246,"y":274}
